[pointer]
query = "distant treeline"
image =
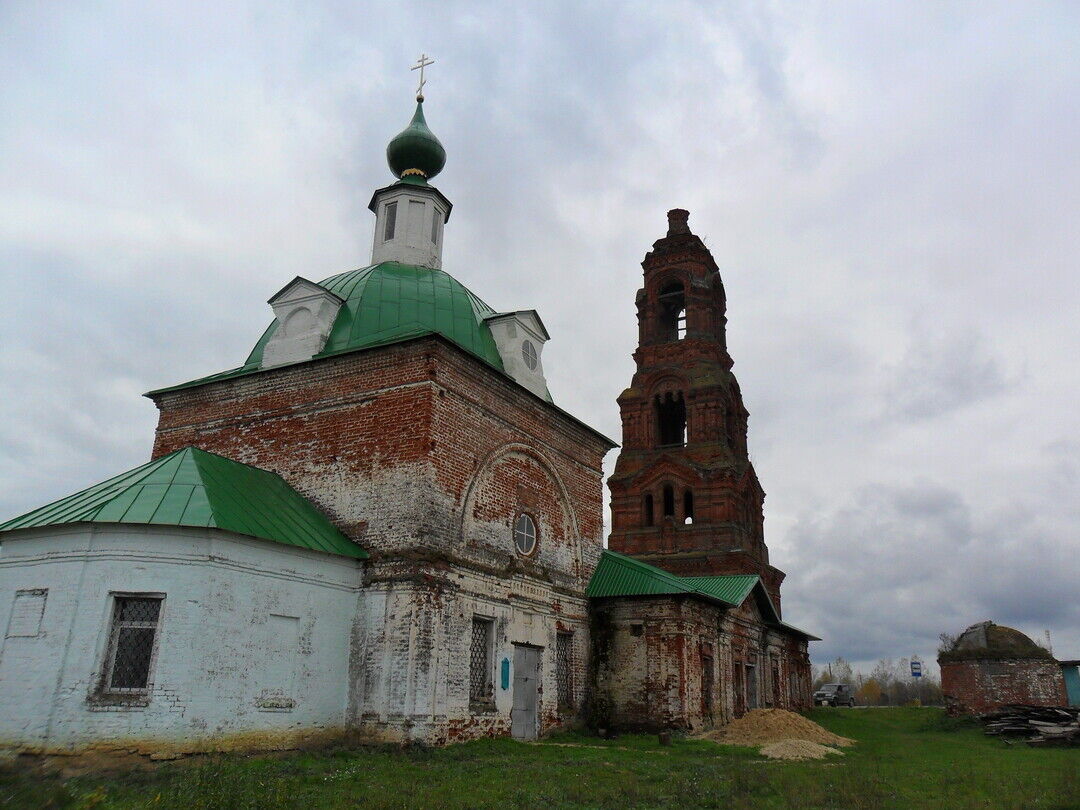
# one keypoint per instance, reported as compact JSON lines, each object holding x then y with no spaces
{"x":888,"y":684}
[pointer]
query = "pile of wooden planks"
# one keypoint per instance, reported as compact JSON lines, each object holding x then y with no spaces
{"x":1039,"y":725}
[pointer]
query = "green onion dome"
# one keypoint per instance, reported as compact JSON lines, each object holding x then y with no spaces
{"x":415,"y":150}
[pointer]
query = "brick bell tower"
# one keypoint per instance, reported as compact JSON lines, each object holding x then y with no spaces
{"x":684,"y":495}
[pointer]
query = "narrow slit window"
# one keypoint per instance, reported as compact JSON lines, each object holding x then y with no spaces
{"x":435,"y":226}
{"x":688,"y":505}
{"x":708,"y":685}
{"x":131,"y":643}
{"x":649,"y":509}
{"x":391,"y":221}
{"x":669,"y":501}
{"x":481,"y":689}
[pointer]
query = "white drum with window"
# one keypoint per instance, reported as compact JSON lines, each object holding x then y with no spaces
{"x":525,"y":534}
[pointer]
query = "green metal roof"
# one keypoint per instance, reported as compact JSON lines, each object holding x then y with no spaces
{"x":191,"y":487}
{"x":388,"y":303}
{"x":732,"y":588}
{"x":619,"y":575}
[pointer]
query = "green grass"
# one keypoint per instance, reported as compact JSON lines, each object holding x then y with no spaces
{"x":905,"y":758}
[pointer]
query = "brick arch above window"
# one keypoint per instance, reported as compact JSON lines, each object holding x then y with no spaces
{"x":512,"y":507}
{"x":668,"y":383}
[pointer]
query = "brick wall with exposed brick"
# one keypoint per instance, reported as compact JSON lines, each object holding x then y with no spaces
{"x":426,"y":456}
{"x":683,"y":663}
{"x":982,"y":685}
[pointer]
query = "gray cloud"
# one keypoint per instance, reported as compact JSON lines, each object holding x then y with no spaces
{"x":940,"y":374}
{"x":896,"y":566}
{"x":891,"y":194}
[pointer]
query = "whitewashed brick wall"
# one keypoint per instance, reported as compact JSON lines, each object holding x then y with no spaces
{"x":246,"y":626}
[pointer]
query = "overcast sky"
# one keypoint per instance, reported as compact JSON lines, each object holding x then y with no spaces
{"x":891,"y":192}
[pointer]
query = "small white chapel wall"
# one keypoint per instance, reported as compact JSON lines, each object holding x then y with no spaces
{"x":251,"y":649}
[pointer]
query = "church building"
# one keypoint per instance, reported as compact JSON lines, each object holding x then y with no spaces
{"x":381,"y":526}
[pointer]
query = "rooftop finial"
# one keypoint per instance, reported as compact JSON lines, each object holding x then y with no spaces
{"x":422,"y":63}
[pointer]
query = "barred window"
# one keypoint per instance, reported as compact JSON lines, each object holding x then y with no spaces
{"x":131,"y":643}
{"x":564,"y":668}
{"x":480,"y":686}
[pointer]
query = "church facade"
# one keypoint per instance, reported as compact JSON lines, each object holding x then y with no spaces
{"x":381,"y":526}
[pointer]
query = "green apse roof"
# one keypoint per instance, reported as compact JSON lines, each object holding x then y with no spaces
{"x":191,"y":487}
{"x":619,"y":575}
{"x":388,"y":303}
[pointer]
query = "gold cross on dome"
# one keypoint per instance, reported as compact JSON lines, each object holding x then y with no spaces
{"x":422,"y":63}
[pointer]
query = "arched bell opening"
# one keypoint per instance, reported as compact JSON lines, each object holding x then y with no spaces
{"x":672,"y":311}
{"x":671,"y":419}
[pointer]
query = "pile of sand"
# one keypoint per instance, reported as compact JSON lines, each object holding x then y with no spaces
{"x":761,"y":726}
{"x":781,"y":735}
{"x":797,"y":749}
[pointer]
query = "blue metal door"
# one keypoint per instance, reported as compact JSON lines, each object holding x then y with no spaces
{"x":1072,"y":683}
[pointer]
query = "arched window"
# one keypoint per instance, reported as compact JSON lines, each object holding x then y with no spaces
{"x":669,"y":500}
{"x":688,"y":505}
{"x":648,"y":509}
{"x":671,"y":419}
{"x":525,"y":534}
{"x":672,"y":311}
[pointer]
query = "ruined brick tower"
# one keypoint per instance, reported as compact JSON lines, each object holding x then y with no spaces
{"x":684,"y":495}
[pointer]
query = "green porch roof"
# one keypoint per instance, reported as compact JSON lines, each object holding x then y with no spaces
{"x":619,"y":575}
{"x":191,"y":487}
{"x":732,"y":588}
{"x":389,"y":303}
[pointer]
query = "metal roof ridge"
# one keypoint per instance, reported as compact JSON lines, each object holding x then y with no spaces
{"x":99,"y":490}
{"x":652,"y":570}
{"x":239,"y":497}
{"x":752,"y":580}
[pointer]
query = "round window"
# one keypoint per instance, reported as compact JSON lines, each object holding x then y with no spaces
{"x":525,"y":534}
{"x":528,"y":351}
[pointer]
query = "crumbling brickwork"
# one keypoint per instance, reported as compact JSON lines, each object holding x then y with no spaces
{"x":426,"y":456}
{"x":991,"y":665}
{"x":685,"y":498}
{"x":684,"y":494}
{"x":684,"y":663}
{"x":982,"y":684}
